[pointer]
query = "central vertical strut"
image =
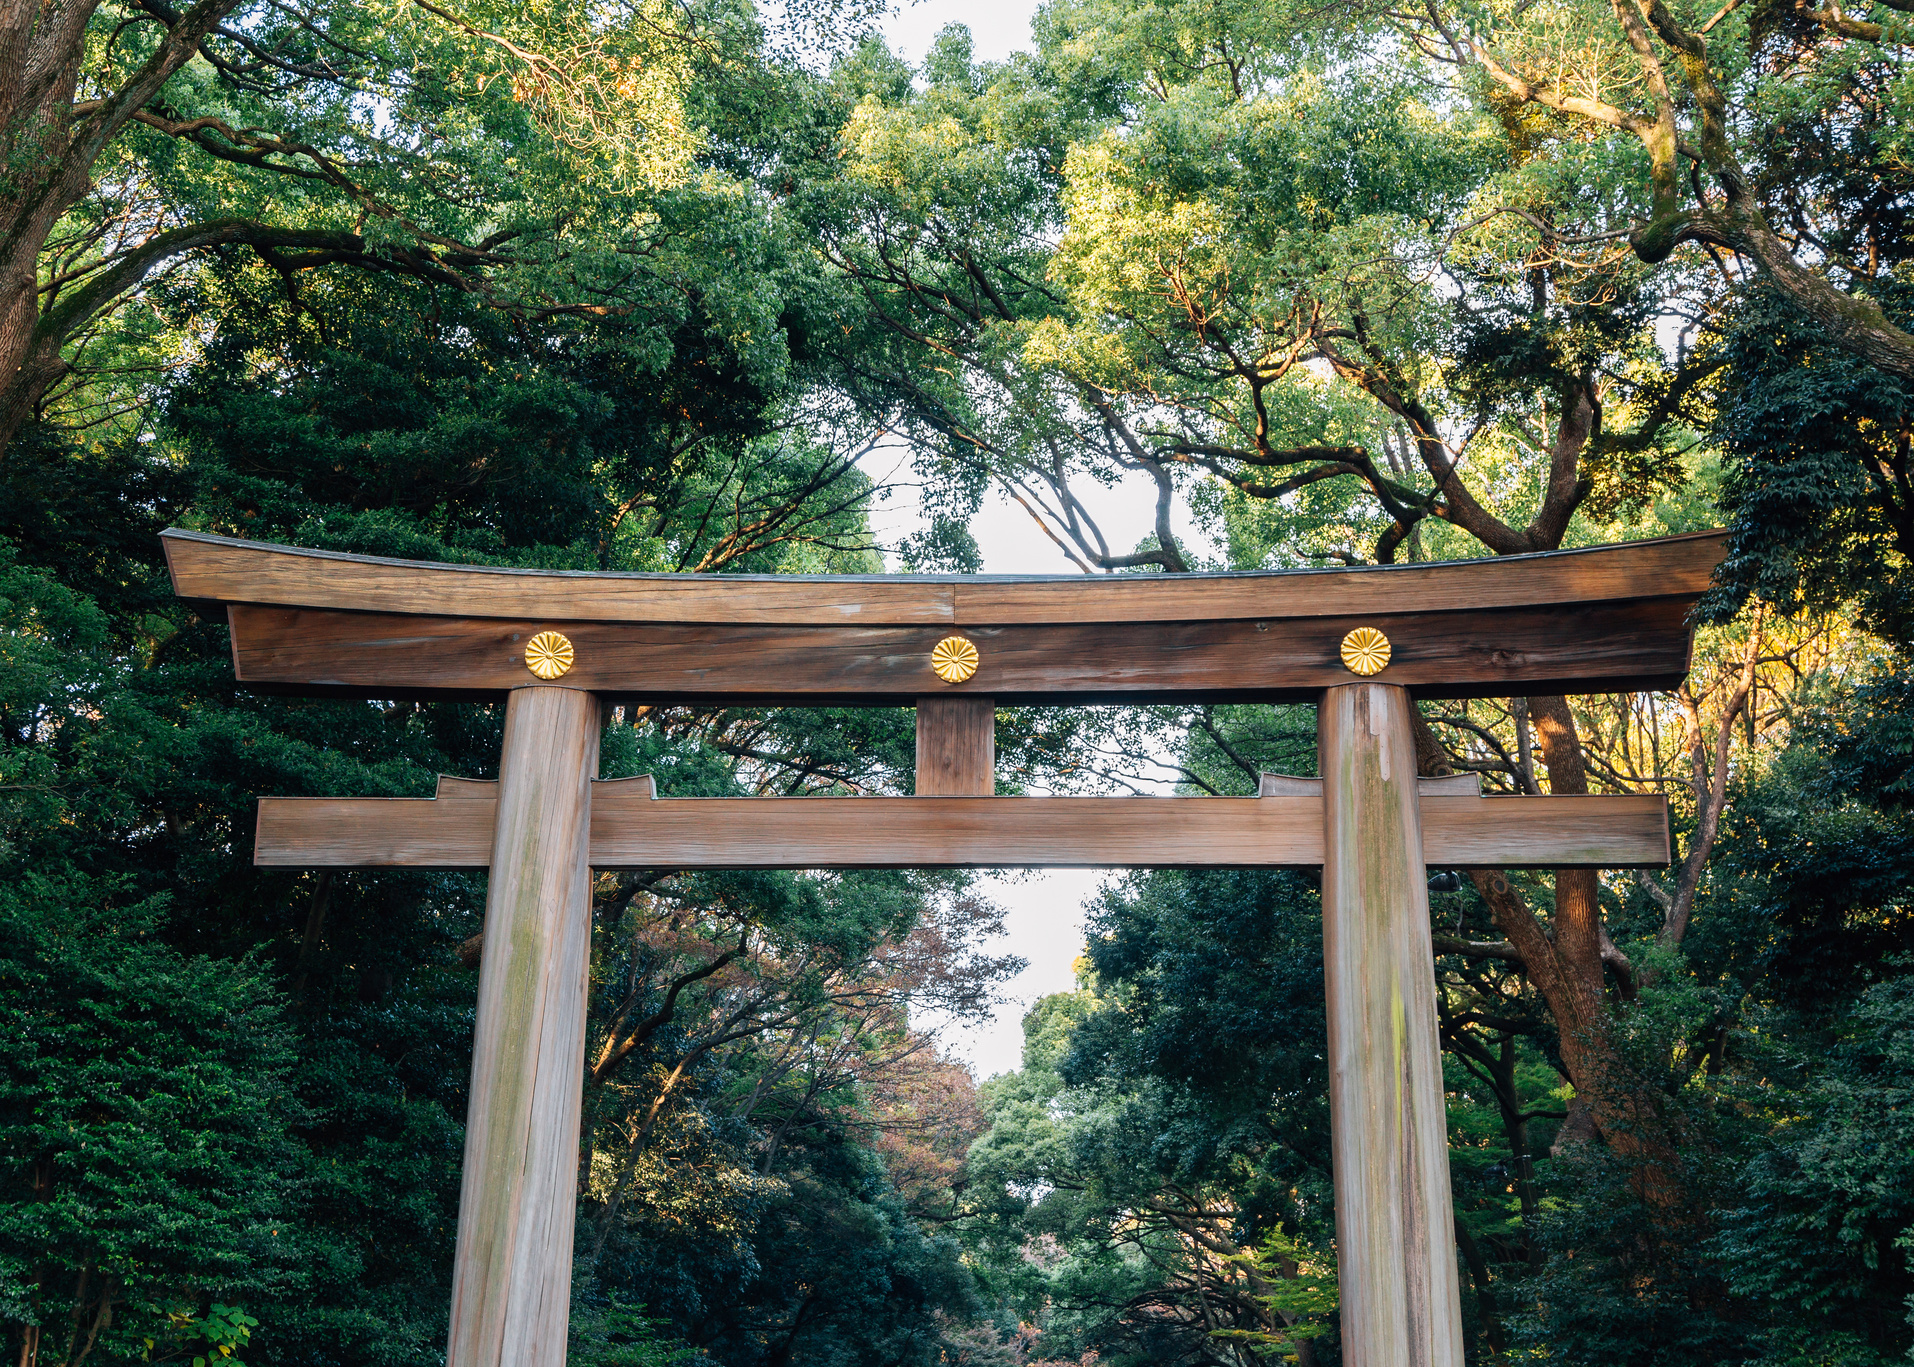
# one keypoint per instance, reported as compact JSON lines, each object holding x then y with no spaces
{"x":956,"y":747}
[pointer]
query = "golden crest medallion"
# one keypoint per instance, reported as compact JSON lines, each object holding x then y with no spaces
{"x":1365,"y":651}
{"x":548,"y":655}
{"x":954,"y":659}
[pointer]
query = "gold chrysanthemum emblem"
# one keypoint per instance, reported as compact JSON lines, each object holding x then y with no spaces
{"x":954,"y":659}
{"x":1365,"y":651}
{"x":548,"y":654}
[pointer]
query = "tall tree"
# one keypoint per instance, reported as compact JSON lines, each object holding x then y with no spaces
{"x":539,"y":158}
{"x":1715,"y":117}
{"x":1267,"y":268}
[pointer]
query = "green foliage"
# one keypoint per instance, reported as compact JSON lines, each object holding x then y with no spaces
{"x":1822,"y":852}
{"x":1793,"y":1244}
{"x":1824,"y":1225}
{"x":1157,"y":1172}
{"x":1302,"y":1295}
{"x":223,"y":1330}
{"x":147,"y":1109}
{"x":1815,"y":442}
{"x":638,"y":288}
{"x":374,"y":413}
{"x":620,"y":1335}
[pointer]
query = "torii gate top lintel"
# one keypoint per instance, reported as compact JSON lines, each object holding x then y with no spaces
{"x":1600,"y":619}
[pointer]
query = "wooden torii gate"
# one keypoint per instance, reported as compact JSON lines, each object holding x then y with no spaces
{"x":1360,"y":643}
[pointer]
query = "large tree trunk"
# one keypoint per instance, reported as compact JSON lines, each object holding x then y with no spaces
{"x":1621,"y":1103}
{"x":1564,"y":963}
{"x":29,"y":371}
{"x":49,"y":146}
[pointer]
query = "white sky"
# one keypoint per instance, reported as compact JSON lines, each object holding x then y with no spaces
{"x":997,"y":27}
{"x":1043,"y":915}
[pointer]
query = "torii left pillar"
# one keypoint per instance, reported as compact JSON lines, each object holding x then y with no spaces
{"x":511,"y":1277}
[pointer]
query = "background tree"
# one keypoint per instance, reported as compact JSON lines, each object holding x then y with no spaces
{"x":540,"y":159}
{"x":1338,"y":319}
{"x":1730,"y":108}
{"x":1237,"y":293}
{"x":677,"y":425}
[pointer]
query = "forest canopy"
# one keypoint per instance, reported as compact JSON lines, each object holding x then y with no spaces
{"x":704,"y":287}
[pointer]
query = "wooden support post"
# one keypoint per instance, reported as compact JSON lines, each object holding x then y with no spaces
{"x":1395,"y":1231}
{"x":956,"y":747}
{"x":511,"y":1278}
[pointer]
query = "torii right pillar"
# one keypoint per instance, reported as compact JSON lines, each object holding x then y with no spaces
{"x":1395,"y":1228}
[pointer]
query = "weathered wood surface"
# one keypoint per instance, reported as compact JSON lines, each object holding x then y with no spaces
{"x":219,"y":570}
{"x":1678,"y":566}
{"x":511,"y":1274}
{"x":956,"y":747}
{"x":1574,"y":649}
{"x":631,"y":830}
{"x":214,"y":570}
{"x":1395,"y":1235}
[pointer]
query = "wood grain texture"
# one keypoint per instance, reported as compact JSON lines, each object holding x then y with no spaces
{"x":956,"y":747}
{"x":1578,"y":649}
{"x":631,"y":830}
{"x":1621,"y":832}
{"x":511,"y":1275}
{"x":959,"y":832}
{"x":1673,"y":566}
{"x":214,"y":570}
{"x":376,"y":832}
{"x":1395,"y":1234}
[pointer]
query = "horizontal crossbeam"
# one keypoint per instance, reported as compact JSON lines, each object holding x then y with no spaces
{"x":630,"y":828}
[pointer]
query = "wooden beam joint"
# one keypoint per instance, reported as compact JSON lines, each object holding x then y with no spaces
{"x":956,"y":747}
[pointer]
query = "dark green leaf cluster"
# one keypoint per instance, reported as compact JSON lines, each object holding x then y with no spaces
{"x":1816,"y":445}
